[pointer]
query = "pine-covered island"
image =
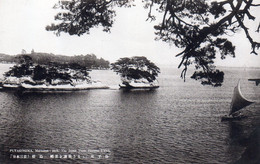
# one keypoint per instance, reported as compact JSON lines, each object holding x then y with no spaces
{"x":49,"y":72}
{"x":43,"y":71}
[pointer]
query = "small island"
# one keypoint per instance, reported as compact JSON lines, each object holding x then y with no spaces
{"x":136,"y":72}
{"x":46,"y":75}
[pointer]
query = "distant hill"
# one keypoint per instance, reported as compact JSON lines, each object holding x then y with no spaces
{"x":6,"y":58}
{"x":90,"y":60}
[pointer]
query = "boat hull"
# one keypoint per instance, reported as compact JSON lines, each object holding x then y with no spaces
{"x":231,"y":118}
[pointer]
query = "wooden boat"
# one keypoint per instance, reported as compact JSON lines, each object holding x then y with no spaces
{"x":238,"y":102}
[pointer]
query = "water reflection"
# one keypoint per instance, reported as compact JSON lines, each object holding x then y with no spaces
{"x":135,"y":128}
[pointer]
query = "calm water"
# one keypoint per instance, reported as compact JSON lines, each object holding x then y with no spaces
{"x":177,"y":123}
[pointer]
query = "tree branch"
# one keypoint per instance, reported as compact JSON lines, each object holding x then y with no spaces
{"x":254,"y":44}
{"x":150,"y":12}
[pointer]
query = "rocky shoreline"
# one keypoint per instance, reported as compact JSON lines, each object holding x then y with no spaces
{"x":48,"y":87}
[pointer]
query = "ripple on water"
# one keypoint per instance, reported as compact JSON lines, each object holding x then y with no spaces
{"x":177,"y":123}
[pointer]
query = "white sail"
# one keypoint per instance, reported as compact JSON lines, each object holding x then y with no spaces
{"x":238,"y":100}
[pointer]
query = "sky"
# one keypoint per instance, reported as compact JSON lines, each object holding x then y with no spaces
{"x":23,"y":23}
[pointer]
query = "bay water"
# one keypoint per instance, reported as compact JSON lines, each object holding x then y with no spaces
{"x":180,"y":122}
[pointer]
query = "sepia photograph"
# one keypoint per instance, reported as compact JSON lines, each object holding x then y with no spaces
{"x":130,"y":81}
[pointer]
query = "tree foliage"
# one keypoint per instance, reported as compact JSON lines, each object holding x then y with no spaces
{"x":39,"y":73}
{"x":138,"y":67}
{"x":19,"y":71}
{"x":90,"y":60}
{"x":48,"y":72}
{"x":79,"y":16}
{"x":199,"y":27}
{"x":22,"y":68}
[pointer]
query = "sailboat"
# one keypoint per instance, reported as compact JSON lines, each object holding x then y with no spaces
{"x":238,"y":102}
